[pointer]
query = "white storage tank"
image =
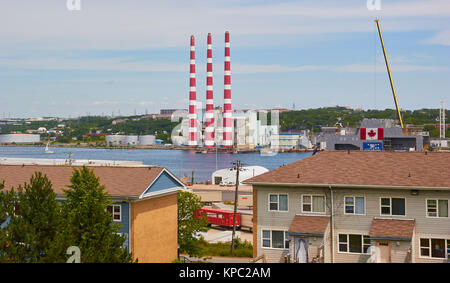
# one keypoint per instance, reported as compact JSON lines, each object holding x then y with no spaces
{"x":131,"y":140}
{"x":20,"y":138}
{"x":115,"y":140}
{"x":147,"y":140}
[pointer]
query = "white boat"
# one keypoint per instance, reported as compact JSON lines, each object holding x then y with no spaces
{"x":47,"y":150}
{"x":268,"y":152}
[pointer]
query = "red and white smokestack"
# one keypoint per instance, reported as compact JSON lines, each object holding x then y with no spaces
{"x":227,"y":114}
{"x":209,"y":129}
{"x":192,"y":99}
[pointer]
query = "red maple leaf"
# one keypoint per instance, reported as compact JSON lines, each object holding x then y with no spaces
{"x":371,"y":133}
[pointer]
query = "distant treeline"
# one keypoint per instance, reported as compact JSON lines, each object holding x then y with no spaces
{"x":292,"y":121}
{"x":314,"y":119}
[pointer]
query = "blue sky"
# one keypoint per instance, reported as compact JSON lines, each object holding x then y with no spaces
{"x":133,"y":55}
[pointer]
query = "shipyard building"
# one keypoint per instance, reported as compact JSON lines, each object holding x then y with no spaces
{"x":373,"y":134}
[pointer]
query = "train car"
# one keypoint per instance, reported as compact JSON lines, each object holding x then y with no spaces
{"x":219,"y":217}
{"x":246,"y":221}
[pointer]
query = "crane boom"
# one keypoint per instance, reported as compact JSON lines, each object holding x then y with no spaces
{"x":389,"y":73}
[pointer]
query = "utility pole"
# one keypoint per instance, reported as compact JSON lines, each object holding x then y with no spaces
{"x":238,"y":165}
{"x":442,"y":127}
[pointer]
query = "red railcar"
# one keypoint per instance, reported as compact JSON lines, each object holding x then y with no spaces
{"x":219,"y":217}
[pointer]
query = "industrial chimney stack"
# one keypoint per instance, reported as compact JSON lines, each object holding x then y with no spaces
{"x":192,"y":99}
{"x":227,"y":114}
{"x":209,"y":129}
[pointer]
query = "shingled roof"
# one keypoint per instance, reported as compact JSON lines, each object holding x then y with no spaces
{"x":392,"y":229}
{"x":314,"y":225}
{"x":391,"y":169}
{"x":118,"y":181}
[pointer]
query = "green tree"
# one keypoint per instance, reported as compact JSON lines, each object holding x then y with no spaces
{"x":33,"y":219}
{"x":6,"y":209}
{"x":88,"y":223}
{"x":188,"y":224}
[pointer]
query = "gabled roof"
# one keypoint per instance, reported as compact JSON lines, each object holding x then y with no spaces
{"x":363,"y":168}
{"x":392,"y":229}
{"x":309,"y":225}
{"x":118,"y":181}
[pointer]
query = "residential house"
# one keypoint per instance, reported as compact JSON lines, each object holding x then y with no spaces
{"x":144,"y":203}
{"x":353,"y":206}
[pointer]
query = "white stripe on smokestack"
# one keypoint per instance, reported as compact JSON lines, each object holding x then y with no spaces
{"x":227,"y":117}
{"x":209,"y":130}
{"x":192,"y":98}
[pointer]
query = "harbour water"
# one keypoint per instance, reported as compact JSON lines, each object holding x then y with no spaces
{"x":179,"y":162}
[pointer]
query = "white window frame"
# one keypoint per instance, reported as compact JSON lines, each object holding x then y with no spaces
{"x":348,"y":244}
{"x":437,"y":208}
{"x":354,"y":205}
{"x":446,"y":245}
{"x":278,"y":202}
{"x":285,"y":232}
{"x":390,"y":206}
{"x":312,"y":208}
{"x":120,"y":212}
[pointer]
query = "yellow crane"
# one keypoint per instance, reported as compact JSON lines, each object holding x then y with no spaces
{"x":389,"y":73}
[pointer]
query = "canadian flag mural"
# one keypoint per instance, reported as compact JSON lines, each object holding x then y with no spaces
{"x":371,"y":133}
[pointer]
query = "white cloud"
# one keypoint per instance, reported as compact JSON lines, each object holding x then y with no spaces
{"x":123,"y":65}
{"x":120,"y":25}
{"x":442,"y":38}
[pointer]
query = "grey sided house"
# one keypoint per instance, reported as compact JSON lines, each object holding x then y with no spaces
{"x":352,"y":206}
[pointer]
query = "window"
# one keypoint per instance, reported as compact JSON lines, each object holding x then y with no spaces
{"x":433,"y":248}
{"x":115,"y":211}
{"x":425,"y":247}
{"x":275,"y":239}
{"x":437,"y":208}
{"x":448,"y":249}
{"x":266,"y":239}
{"x":312,"y":203}
{"x":393,"y":206}
{"x":354,"y":205}
{"x":278,"y":202}
{"x":354,"y":243}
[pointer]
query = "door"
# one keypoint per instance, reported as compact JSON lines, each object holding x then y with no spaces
{"x":301,"y":250}
{"x":384,"y":252}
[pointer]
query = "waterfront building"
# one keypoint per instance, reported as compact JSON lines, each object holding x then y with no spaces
{"x":20,"y":138}
{"x":354,"y":206}
{"x":129,"y":140}
{"x":144,"y":203}
{"x":287,"y":141}
{"x":392,"y":138}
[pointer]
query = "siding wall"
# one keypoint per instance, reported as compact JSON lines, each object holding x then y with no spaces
{"x":154,"y":227}
{"x":277,"y":220}
{"x":353,"y":224}
{"x":164,"y":182}
{"x":125,"y":221}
